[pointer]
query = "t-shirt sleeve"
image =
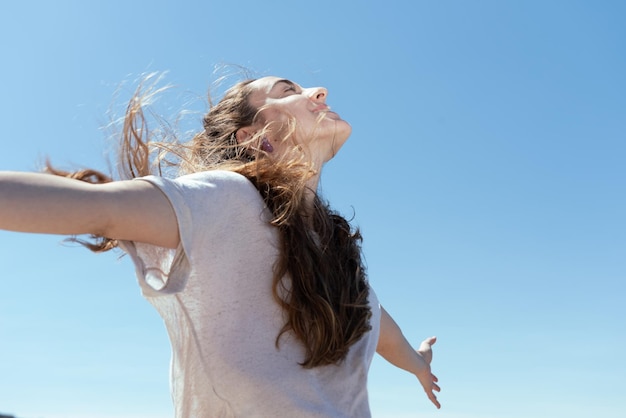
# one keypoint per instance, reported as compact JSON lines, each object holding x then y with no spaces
{"x":199,"y":200}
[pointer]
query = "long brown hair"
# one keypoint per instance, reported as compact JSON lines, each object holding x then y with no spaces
{"x":319,"y":279}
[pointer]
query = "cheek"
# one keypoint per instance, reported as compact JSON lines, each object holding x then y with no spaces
{"x":272,"y":115}
{"x":293,"y":121}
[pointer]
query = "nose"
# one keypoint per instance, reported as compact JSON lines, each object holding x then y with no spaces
{"x":317,"y":94}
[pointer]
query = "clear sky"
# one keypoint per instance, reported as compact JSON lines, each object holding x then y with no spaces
{"x":485,"y":169}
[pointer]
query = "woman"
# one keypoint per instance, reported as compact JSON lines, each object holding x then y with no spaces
{"x":261,"y":286}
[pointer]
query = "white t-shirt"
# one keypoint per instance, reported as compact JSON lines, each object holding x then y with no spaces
{"x":215,"y":296}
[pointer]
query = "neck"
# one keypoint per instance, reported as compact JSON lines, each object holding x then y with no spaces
{"x":312,"y":183}
{"x":311,"y":188}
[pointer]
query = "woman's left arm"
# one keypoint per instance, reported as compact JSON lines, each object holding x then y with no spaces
{"x":394,"y":348}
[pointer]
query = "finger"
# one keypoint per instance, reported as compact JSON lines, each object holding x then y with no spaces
{"x":435,"y":378}
{"x":436,"y":387}
{"x":433,"y":399}
{"x":427,"y":344}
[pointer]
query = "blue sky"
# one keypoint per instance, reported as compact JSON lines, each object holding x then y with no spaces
{"x":485,"y":170}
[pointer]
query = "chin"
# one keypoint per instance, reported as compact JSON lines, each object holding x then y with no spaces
{"x":342,"y":130}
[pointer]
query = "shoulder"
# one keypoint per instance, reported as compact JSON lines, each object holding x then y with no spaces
{"x":215,"y":191}
{"x":216,"y":181}
{"x":214,"y":177}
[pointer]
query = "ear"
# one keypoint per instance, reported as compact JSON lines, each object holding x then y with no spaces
{"x":243,"y":134}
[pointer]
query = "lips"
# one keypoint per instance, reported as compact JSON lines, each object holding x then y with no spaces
{"x":321,"y":108}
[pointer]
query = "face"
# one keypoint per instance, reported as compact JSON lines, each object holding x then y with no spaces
{"x":318,"y":131}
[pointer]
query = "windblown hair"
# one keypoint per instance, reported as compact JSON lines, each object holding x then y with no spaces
{"x":319,"y":279}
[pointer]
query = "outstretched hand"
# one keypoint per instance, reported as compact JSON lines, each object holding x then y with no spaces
{"x":427,"y":379}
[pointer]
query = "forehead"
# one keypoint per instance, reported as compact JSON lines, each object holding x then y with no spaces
{"x":265,"y":87}
{"x":264,"y":84}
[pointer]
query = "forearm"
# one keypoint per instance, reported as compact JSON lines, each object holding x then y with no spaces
{"x":43,"y":203}
{"x":395,"y":348}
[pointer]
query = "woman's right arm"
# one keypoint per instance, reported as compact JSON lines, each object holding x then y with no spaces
{"x":124,"y":210}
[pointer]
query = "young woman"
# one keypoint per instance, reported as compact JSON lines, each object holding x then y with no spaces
{"x":261,"y":285}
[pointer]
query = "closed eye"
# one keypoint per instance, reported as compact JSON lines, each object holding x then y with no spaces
{"x":288,"y":87}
